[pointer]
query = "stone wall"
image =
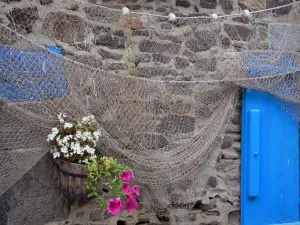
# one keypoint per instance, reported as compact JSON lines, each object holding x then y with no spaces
{"x":36,"y":198}
{"x":89,"y":35}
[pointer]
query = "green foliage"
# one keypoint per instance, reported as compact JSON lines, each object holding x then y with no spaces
{"x":105,"y":169}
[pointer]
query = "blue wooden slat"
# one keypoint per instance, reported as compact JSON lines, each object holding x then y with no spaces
{"x":253,"y":156}
{"x":290,"y":167}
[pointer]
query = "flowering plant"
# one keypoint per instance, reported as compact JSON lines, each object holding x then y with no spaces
{"x":74,"y":141}
{"x":117,"y":179}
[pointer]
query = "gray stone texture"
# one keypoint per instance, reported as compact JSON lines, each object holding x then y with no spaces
{"x":36,"y":198}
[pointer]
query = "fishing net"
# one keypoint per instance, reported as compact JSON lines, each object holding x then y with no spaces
{"x":162,"y":91}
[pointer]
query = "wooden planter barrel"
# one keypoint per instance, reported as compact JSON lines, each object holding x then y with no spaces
{"x":73,"y":178}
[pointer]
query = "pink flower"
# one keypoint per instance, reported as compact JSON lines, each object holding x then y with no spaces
{"x":131,"y":204}
{"x":114,"y":206}
{"x":126,"y":175}
{"x":126,"y":188}
{"x":136,"y":190}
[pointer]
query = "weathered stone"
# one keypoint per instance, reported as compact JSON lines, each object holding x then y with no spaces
{"x":23,"y":19}
{"x":109,"y":54}
{"x":150,"y":141}
{"x":183,"y":3}
{"x":181,"y":63}
{"x":204,"y":41}
{"x":74,"y":7}
{"x":142,"y":58}
{"x":241,"y":19}
{"x":179,"y":107}
{"x":227,"y":165}
{"x":208,"y":4}
{"x":207,"y":64}
{"x":161,"y":58}
{"x":101,"y":29}
{"x":238,"y":31}
{"x":80,"y":214}
{"x":161,"y":9}
{"x":65,"y":27}
{"x":276,"y":3}
{"x":20,"y":204}
{"x":252,"y":5}
{"x":226,"y":42}
{"x":140,"y":32}
{"x":166,"y":26}
{"x":227,"y":142}
{"x":96,"y":215}
{"x":234,"y":218}
{"x":211,"y":223}
{"x":7,"y":37}
{"x":133,"y":6}
{"x":110,"y":40}
{"x":206,"y":207}
{"x":99,"y":15}
{"x":9,"y":1}
{"x":153,"y":71}
{"x":116,"y":66}
{"x":155,"y":47}
{"x":88,"y":59}
{"x":212,"y":182}
{"x":196,"y":8}
{"x":227,"y":5}
{"x":177,"y":124}
{"x":45,"y":2}
{"x":148,"y":7}
{"x":83,"y":46}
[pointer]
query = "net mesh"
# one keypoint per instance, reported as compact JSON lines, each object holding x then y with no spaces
{"x":162,"y":91}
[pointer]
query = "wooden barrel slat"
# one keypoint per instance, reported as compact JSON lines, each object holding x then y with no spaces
{"x":73,"y":178}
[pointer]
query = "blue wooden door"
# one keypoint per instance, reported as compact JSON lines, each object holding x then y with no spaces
{"x":270,"y":162}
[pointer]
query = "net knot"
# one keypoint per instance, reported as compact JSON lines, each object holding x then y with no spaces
{"x":246,"y":13}
{"x":214,"y":15}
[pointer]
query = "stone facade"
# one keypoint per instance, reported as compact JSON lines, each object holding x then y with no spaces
{"x":88,"y":35}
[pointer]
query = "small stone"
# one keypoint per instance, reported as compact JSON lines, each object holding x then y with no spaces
{"x":207,"y":64}
{"x":234,"y":218}
{"x":166,"y":26}
{"x":134,"y":7}
{"x":45,"y":2}
{"x":142,"y":58}
{"x":23,"y":18}
{"x":226,"y":42}
{"x":79,"y":214}
{"x":205,"y":207}
{"x":177,"y":124}
{"x":227,"y":142}
{"x":161,"y":58}
{"x":155,"y":47}
{"x":88,"y":59}
{"x":241,"y":19}
{"x":227,"y":5}
{"x":228,"y":154}
{"x":116,"y":66}
{"x":196,"y":8}
{"x":151,"y":141}
{"x":118,"y":33}
{"x":276,"y":3}
{"x":203,"y":41}
{"x":161,"y":9}
{"x":183,"y":3}
{"x":101,"y":29}
{"x":238,"y":32}
{"x":107,"y":54}
{"x":212,"y":182}
{"x":140,"y":32}
{"x":228,"y":165}
{"x":74,"y":7}
{"x":181,"y":63}
{"x":111,"y":41}
{"x":208,"y":4}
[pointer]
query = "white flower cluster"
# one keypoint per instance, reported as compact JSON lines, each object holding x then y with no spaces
{"x":88,"y":120}
{"x":76,"y":143}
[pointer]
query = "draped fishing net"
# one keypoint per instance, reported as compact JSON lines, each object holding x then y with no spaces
{"x":162,"y":91}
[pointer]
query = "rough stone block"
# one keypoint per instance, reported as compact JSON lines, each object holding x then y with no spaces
{"x":238,"y":32}
{"x":207,"y":64}
{"x":227,"y":5}
{"x":203,"y":41}
{"x":183,"y":3}
{"x":23,"y":18}
{"x":110,"y":41}
{"x":150,"y":141}
{"x":208,"y":4}
{"x":181,"y":63}
{"x":108,"y":54}
{"x":156,"y":47}
{"x":177,"y":124}
{"x":161,"y":58}
{"x":88,"y":59}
